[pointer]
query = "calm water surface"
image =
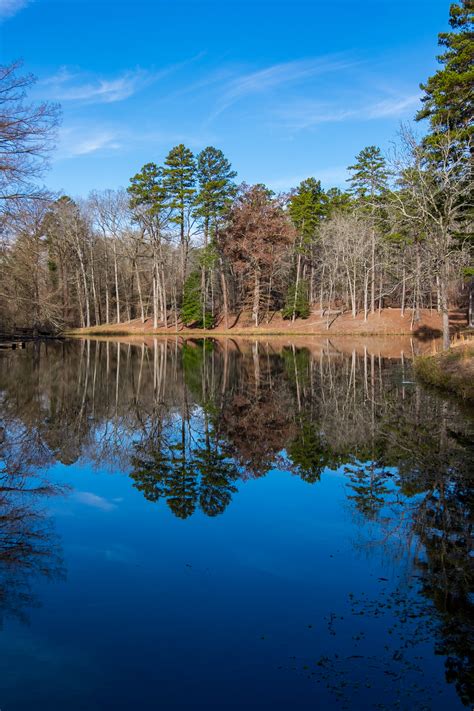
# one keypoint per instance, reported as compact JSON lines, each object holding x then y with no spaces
{"x":230,"y":525}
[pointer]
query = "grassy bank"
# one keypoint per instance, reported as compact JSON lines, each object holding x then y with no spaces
{"x":451,"y":370}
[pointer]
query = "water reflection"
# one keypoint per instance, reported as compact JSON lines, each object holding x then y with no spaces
{"x":188,"y":421}
{"x":28,"y":545}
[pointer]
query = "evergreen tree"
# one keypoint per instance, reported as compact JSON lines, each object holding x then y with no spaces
{"x":216,"y":188}
{"x":369,"y":173}
{"x":215,"y":192}
{"x":368,"y":183}
{"x":179,"y":180}
{"x":193,"y":310}
{"x":147,"y":193}
{"x":297,"y":301}
{"x":448,"y":98}
{"x":336,"y":200}
{"x":148,"y":202}
{"x":306,"y":208}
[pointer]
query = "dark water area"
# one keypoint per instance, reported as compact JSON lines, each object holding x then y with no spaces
{"x":230,"y":525}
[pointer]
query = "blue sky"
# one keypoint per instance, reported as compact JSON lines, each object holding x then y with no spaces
{"x":285,"y":89}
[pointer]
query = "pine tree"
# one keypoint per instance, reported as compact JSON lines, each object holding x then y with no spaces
{"x":179,"y":181}
{"x":146,"y":191}
{"x":306,"y":208}
{"x":216,"y":188}
{"x":215,"y":192}
{"x":336,"y":200}
{"x":368,"y":183}
{"x":148,"y":202}
{"x":448,"y":99}
{"x":369,"y":173}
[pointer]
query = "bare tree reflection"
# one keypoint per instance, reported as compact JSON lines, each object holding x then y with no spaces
{"x":28,"y":546}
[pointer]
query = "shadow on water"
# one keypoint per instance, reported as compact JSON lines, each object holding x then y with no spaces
{"x":189,"y":421}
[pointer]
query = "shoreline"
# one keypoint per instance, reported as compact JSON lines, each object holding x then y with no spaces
{"x":394,"y":346}
{"x":451,"y":370}
{"x":242,"y":333}
{"x":389,"y":322}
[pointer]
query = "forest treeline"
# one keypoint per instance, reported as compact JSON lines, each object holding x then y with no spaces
{"x":185,"y":244}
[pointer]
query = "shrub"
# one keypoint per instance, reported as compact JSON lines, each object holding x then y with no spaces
{"x":193,"y":311}
{"x":297,"y":301}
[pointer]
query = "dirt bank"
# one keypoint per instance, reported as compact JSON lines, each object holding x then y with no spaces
{"x":388,"y":322}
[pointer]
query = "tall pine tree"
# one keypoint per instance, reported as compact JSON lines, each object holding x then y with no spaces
{"x":448,"y":97}
{"x":368,"y":183}
{"x":179,"y":180}
{"x":216,"y":188}
{"x":306,"y":208}
{"x":148,"y":202}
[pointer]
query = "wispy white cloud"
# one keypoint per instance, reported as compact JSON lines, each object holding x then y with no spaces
{"x":83,"y":140}
{"x":97,"y":502}
{"x":8,"y":8}
{"x":306,"y":114}
{"x":77,"y":86}
{"x":96,"y":142}
{"x":276,"y":77}
{"x":397,"y":106}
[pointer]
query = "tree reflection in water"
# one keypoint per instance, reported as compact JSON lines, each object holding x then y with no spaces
{"x":188,"y":420}
{"x":28,"y":546}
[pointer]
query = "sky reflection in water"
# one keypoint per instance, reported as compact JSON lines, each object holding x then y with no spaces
{"x":231,"y":524}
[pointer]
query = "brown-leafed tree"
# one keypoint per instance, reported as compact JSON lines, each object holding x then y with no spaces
{"x":256,"y":237}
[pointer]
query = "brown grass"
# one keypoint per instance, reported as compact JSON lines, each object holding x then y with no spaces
{"x":451,"y":370}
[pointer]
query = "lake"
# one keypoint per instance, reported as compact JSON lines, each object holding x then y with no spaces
{"x":229,"y":524}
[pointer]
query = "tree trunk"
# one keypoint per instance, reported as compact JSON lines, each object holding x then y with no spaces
{"x":140,"y":296}
{"x":117,"y":295}
{"x":380,"y":291}
{"x":403,"y":290}
{"x":224,"y":298}
{"x":444,"y":311}
{"x":107,"y":302}
{"x":94,"y":291}
{"x":86,"y":294}
{"x":79,"y":297}
{"x":298,"y":266}
{"x":471,"y":304}
{"x":155,"y":293}
{"x":203,"y":295}
{"x":164,"y":314}
{"x":417,"y":284}
{"x":366,"y":295}
{"x":372,"y":285}
{"x":256,"y":297}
